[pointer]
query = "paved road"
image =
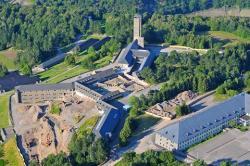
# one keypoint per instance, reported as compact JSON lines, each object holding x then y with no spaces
{"x":137,"y":143}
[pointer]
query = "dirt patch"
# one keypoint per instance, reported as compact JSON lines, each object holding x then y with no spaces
{"x":9,"y":53}
{"x":44,"y":133}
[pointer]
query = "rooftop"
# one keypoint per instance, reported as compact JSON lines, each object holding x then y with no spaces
{"x":205,"y":119}
{"x":41,"y":87}
{"x":126,"y":55}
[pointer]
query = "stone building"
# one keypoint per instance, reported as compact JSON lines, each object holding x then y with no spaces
{"x":40,"y":93}
{"x":31,"y":94}
{"x":203,"y":124}
{"x":135,"y":57}
{"x":138,"y":30}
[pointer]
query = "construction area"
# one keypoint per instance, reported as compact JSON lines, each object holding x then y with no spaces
{"x":166,"y":109}
{"x":123,"y":84}
{"x":43,"y":131}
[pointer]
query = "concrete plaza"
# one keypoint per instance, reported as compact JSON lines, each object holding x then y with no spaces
{"x":232,"y":145}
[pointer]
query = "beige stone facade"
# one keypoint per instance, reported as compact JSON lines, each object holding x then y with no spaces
{"x":30,"y":94}
{"x":137,"y":30}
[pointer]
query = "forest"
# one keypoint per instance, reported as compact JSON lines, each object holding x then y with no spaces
{"x":83,"y":151}
{"x":193,"y":31}
{"x":191,"y":71}
{"x":149,"y":158}
{"x":38,"y":31}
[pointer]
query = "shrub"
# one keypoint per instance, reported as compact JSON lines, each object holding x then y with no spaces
{"x":55,"y":109}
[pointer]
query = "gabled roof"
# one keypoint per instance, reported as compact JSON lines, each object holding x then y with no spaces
{"x":126,"y":55}
{"x":108,"y":122}
{"x":206,"y":119}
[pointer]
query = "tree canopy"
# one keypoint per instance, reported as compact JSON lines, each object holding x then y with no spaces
{"x":149,"y":158}
{"x":3,"y":70}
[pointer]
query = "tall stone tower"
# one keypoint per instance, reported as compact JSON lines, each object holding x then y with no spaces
{"x":137,"y":30}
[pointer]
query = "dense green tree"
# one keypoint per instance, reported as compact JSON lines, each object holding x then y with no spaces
{"x":149,"y":158}
{"x":60,"y":159}
{"x":25,"y":69}
{"x":225,"y":163}
{"x":3,"y":70}
{"x":247,"y":80}
{"x":127,"y":130}
{"x":182,"y":110}
{"x":88,"y":151}
{"x":190,"y":71}
{"x":33,"y":163}
{"x":199,"y":163}
{"x":1,"y":151}
{"x":70,"y":59}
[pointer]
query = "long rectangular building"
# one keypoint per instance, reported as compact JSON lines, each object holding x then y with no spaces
{"x":39,"y":93}
{"x":203,"y":124}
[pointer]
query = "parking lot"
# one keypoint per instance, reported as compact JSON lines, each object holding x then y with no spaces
{"x":232,"y":145}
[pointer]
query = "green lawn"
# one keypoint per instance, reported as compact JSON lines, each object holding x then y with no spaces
{"x":6,"y":61}
{"x":68,"y":74}
{"x":93,"y":36}
{"x":144,"y":122}
{"x":103,"y":62}
{"x":220,"y":97}
{"x":11,"y":153}
{"x":4,"y":110}
{"x":63,"y":71}
{"x":228,"y":36}
{"x":87,"y":126}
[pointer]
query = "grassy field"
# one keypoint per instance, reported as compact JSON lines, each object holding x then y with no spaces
{"x":67,"y":74}
{"x":144,"y":122}
{"x":63,"y":71}
{"x":103,"y":62}
{"x":93,"y":36}
{"x":4,"y":110}
{"x":11,"y":154}
{"x":234,"y":39}
{"x":7,"y":58}
{"x":87,"y":126}
{"x":220,"y":97}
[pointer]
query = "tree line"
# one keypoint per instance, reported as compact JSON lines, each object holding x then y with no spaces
{"x":37,"y":31}
{"x":3,"y":70}
{"x":191,"y":71}
{"x":187,"y":6}
{"x":82,"y":151}
{"x":193,"y":31}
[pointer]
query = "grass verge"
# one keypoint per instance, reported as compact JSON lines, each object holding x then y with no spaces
{"x":144,"y":122}
{"x":4,"y":110}
{"x":7,"y":58}
{"x":87,"y":127}
{"x":63,"y":71}
{"x":233,"y":38}
{"x":221,"y":97}
{"x":11,"y":153}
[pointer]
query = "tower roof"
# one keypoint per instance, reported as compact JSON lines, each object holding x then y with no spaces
{"x":137,"y":16}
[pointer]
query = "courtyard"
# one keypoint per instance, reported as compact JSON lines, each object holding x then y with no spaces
{"x":232,"y":145}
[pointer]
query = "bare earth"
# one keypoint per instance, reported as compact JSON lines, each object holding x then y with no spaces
{"x":43,"y":133}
